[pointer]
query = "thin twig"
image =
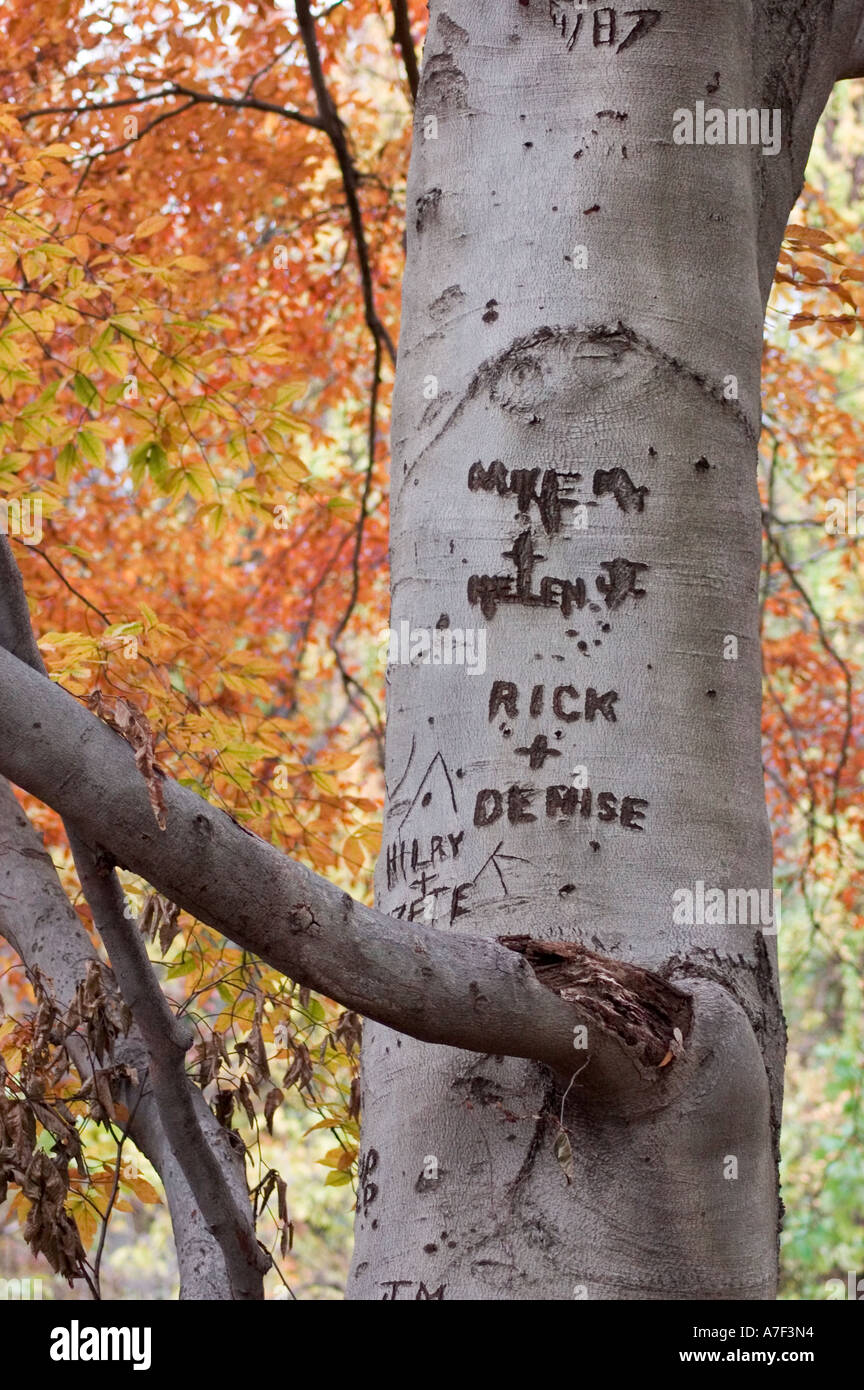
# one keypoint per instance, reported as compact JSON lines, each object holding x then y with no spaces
{"x":115,"y":1187}
{"x":245,"y":102}
{"x":329,"y":121}
{"x":61,"y":576}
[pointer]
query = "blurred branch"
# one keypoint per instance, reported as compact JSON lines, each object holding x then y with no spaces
{"x":329,"y":121}
{"x":402,"y":37}
{"x":165,"y":1037}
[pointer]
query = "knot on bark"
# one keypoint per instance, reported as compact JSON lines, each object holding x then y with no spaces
{"x":301,"y":921}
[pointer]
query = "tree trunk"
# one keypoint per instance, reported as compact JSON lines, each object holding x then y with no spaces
{"x":574,"y":484}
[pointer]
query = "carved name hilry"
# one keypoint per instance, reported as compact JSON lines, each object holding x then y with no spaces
{"x":437,"y":886}
{"x":578,"y":21}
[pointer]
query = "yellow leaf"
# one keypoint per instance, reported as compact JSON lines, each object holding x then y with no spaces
{"x":270,"y":352}
{"x":58,"y":151}
{"x":86,"y":1221}
{"x":333,"y":1158}
{"x":80,"y":245}
{"x":151,"y":225}
{"x":353,"y":853}
{"x":215,"y":517}
{"x":190,"y":263}
{"x":324,"y":1124}
{"x":144,"y":1191}
{"x":371,"y":837}
{"x":103,"y":235}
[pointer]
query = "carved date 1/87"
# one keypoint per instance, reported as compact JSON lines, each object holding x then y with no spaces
{"x":605,"y":25}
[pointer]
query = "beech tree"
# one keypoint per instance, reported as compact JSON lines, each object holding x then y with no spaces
{"x":574,"y":1043}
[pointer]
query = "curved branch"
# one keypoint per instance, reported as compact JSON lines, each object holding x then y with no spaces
{"x":43,"y":929}
{"x":165,"y":1039}
{"x":330,"y":122}
{"x":458,"y":990}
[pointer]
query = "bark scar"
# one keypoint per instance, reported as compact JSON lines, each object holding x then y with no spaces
{"x":646,"y":1012}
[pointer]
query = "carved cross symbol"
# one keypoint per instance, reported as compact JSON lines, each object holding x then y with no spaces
{"x":539,"y":751}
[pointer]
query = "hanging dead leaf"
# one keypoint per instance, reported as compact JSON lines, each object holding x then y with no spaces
{"x":134,"y":726}
{"x":564,"y":1154}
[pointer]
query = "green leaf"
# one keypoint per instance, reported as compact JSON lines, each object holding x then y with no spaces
{"x":84,"y":389}
{"x":184,"y":966}
{"x":66,"y":461}
{"x":91,"y":447}
{"x":148,"y":457}
{"x":316,"y":1011}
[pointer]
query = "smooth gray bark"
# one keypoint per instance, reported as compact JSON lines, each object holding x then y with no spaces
{"x":584,"y":298}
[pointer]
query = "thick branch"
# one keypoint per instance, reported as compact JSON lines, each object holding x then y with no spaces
{"x":165,"y":1039}
{"x":852,"y":65}
{"x":41,"y":926}
{"x":441,"y":988}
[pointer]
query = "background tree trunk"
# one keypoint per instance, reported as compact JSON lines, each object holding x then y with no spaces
{"x":584,"y":299}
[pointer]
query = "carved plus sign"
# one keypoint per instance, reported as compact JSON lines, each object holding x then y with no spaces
{"x":539,"y":751}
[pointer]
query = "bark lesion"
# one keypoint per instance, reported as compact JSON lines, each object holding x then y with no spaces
{"x":645,"y":1012}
